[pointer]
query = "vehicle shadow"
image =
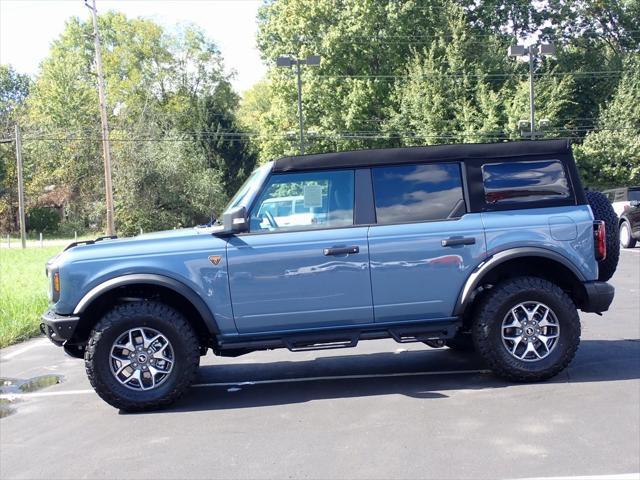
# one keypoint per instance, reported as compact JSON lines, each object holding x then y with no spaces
{"x":419,"y":374}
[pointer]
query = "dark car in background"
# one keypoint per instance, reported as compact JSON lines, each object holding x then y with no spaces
{"x":626,"y":204}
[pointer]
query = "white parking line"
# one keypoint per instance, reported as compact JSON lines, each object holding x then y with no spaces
{"x":12,"y":396}
{"x":20,"y":351}
{"x":623,"y":476}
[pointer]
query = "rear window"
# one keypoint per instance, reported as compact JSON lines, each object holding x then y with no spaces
{"x":634,"y":194}
{"x":518,"y":182}
{"x":417,"y":193}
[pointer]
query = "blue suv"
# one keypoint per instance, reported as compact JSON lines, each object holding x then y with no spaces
{"x":486,"y":247}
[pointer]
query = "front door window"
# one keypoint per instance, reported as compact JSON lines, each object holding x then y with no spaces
{"x":303,"y":201}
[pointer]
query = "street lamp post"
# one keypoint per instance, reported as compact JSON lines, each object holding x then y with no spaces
{"x":532,"y":51}
{"x":288,"y":62}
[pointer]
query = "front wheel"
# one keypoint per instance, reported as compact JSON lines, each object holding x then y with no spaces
{"x":626,"y":239}
{"x":142,"y":356}
{"x":527,"y":329}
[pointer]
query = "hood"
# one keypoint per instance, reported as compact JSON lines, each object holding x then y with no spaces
{"x":156,"y":243}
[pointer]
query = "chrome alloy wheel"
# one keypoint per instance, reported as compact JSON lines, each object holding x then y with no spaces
{"x":530,"y":331}
{"x":141,"y":359}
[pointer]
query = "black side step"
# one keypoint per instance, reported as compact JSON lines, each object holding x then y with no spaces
{"x":415,"y":331}
{"x":423,"y":334}
{"x":321,"y":342}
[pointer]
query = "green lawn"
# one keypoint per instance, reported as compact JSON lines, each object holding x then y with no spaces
{"x":23,"y":292}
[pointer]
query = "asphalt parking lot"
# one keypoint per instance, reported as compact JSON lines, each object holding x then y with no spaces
{"x":383,"y":410}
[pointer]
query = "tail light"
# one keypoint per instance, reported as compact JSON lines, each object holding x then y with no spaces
{"x":600,"y":240}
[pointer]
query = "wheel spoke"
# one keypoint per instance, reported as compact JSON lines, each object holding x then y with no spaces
{"x":158,"y":369}
{"x":161,"y":352}
{"x":545,"y":338}
{"x":544,"y":322}
{"x":147,"y":344}
{"x":530,"y":349}
{"x":123,"y":364}
{"x":515,"y":322}
{"x":516,"y":341}
{"x":544,"y":343}
{"x":134,"y":376}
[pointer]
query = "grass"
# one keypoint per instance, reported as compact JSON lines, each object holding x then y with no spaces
{"x":23,"y":292}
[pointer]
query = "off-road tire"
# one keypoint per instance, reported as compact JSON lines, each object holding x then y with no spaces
{"x":165,"y":320}
{"x":627,"y":241}
{"x":462,"y":342}
{"x":602,"y":210}
{"x":497,"y":303}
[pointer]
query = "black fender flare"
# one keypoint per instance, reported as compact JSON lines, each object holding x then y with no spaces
{"x":150,"y":279}
{"x":475,"y":279}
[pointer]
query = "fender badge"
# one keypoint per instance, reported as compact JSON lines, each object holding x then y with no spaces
{"x":215,"y":259}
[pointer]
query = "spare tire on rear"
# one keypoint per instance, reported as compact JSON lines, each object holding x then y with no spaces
{"x":602,"y":210}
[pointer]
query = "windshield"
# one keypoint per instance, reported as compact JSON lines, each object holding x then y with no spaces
{"x":247,"y":187}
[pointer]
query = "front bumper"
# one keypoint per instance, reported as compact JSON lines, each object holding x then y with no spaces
{"x":59,"y":328}
{"x":599,"y":296}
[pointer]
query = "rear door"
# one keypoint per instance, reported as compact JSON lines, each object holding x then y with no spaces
{"x":424,"y":243}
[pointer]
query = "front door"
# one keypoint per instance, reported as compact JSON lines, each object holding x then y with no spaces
{"x":424,"y":244}
{"x":303,"y":263}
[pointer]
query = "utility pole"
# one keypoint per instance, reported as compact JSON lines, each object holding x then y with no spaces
{"x":23,"y":229}
{"x":300,"y":118}
{"x":532,"y":51}
{"x":532,"y":104}
{"x":288,"y":62}
{"x":106,"y":148}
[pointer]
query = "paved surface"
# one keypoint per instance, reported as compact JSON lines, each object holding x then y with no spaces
{"x":382,"y":410}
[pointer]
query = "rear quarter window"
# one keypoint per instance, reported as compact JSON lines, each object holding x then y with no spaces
{"x":522,"y":182}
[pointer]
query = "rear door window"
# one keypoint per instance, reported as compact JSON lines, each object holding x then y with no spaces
{"x":418,"y":193}
{"x":521,"y":182}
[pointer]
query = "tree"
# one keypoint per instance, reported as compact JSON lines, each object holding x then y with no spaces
{"x":14,"y":89}
{"x":610,"y":156}
{"x":171,"y":111}
{"x":363,"y":44}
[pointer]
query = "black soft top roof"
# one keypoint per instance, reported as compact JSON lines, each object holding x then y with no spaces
{"x":433,"y":153}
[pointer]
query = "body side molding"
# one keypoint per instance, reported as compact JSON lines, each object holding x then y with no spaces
{"x":487,"y":265}
{"x":150,"y":279}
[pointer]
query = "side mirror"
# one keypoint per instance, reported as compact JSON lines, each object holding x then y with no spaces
{"x":635,"y":203}
{"x":235,"y":221}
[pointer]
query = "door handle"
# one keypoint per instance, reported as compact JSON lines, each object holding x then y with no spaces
{"x":452,"y":242}
{"x":341,"y":250}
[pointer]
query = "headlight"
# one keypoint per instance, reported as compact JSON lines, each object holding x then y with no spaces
{"x":53,"y":285}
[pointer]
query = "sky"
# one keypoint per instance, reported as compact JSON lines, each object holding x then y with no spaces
{"x":27,"y":28}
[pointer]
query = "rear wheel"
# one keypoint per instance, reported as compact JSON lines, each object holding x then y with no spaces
{"x":141,"y":356}
{"x":527,"y":329}
{"x":626,"y":239}
{"x":602,"y":210}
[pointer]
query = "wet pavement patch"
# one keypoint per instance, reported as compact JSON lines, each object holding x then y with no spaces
{"x":5,"y":408}
{"x":10,"y":386}
{"x":17,"y":385}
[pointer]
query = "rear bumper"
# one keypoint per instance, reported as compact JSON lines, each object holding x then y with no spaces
{"x":599,"y":296}
{"x":59,"y":328}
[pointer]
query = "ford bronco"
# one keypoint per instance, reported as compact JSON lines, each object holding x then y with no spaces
{"x":486,"y":247}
